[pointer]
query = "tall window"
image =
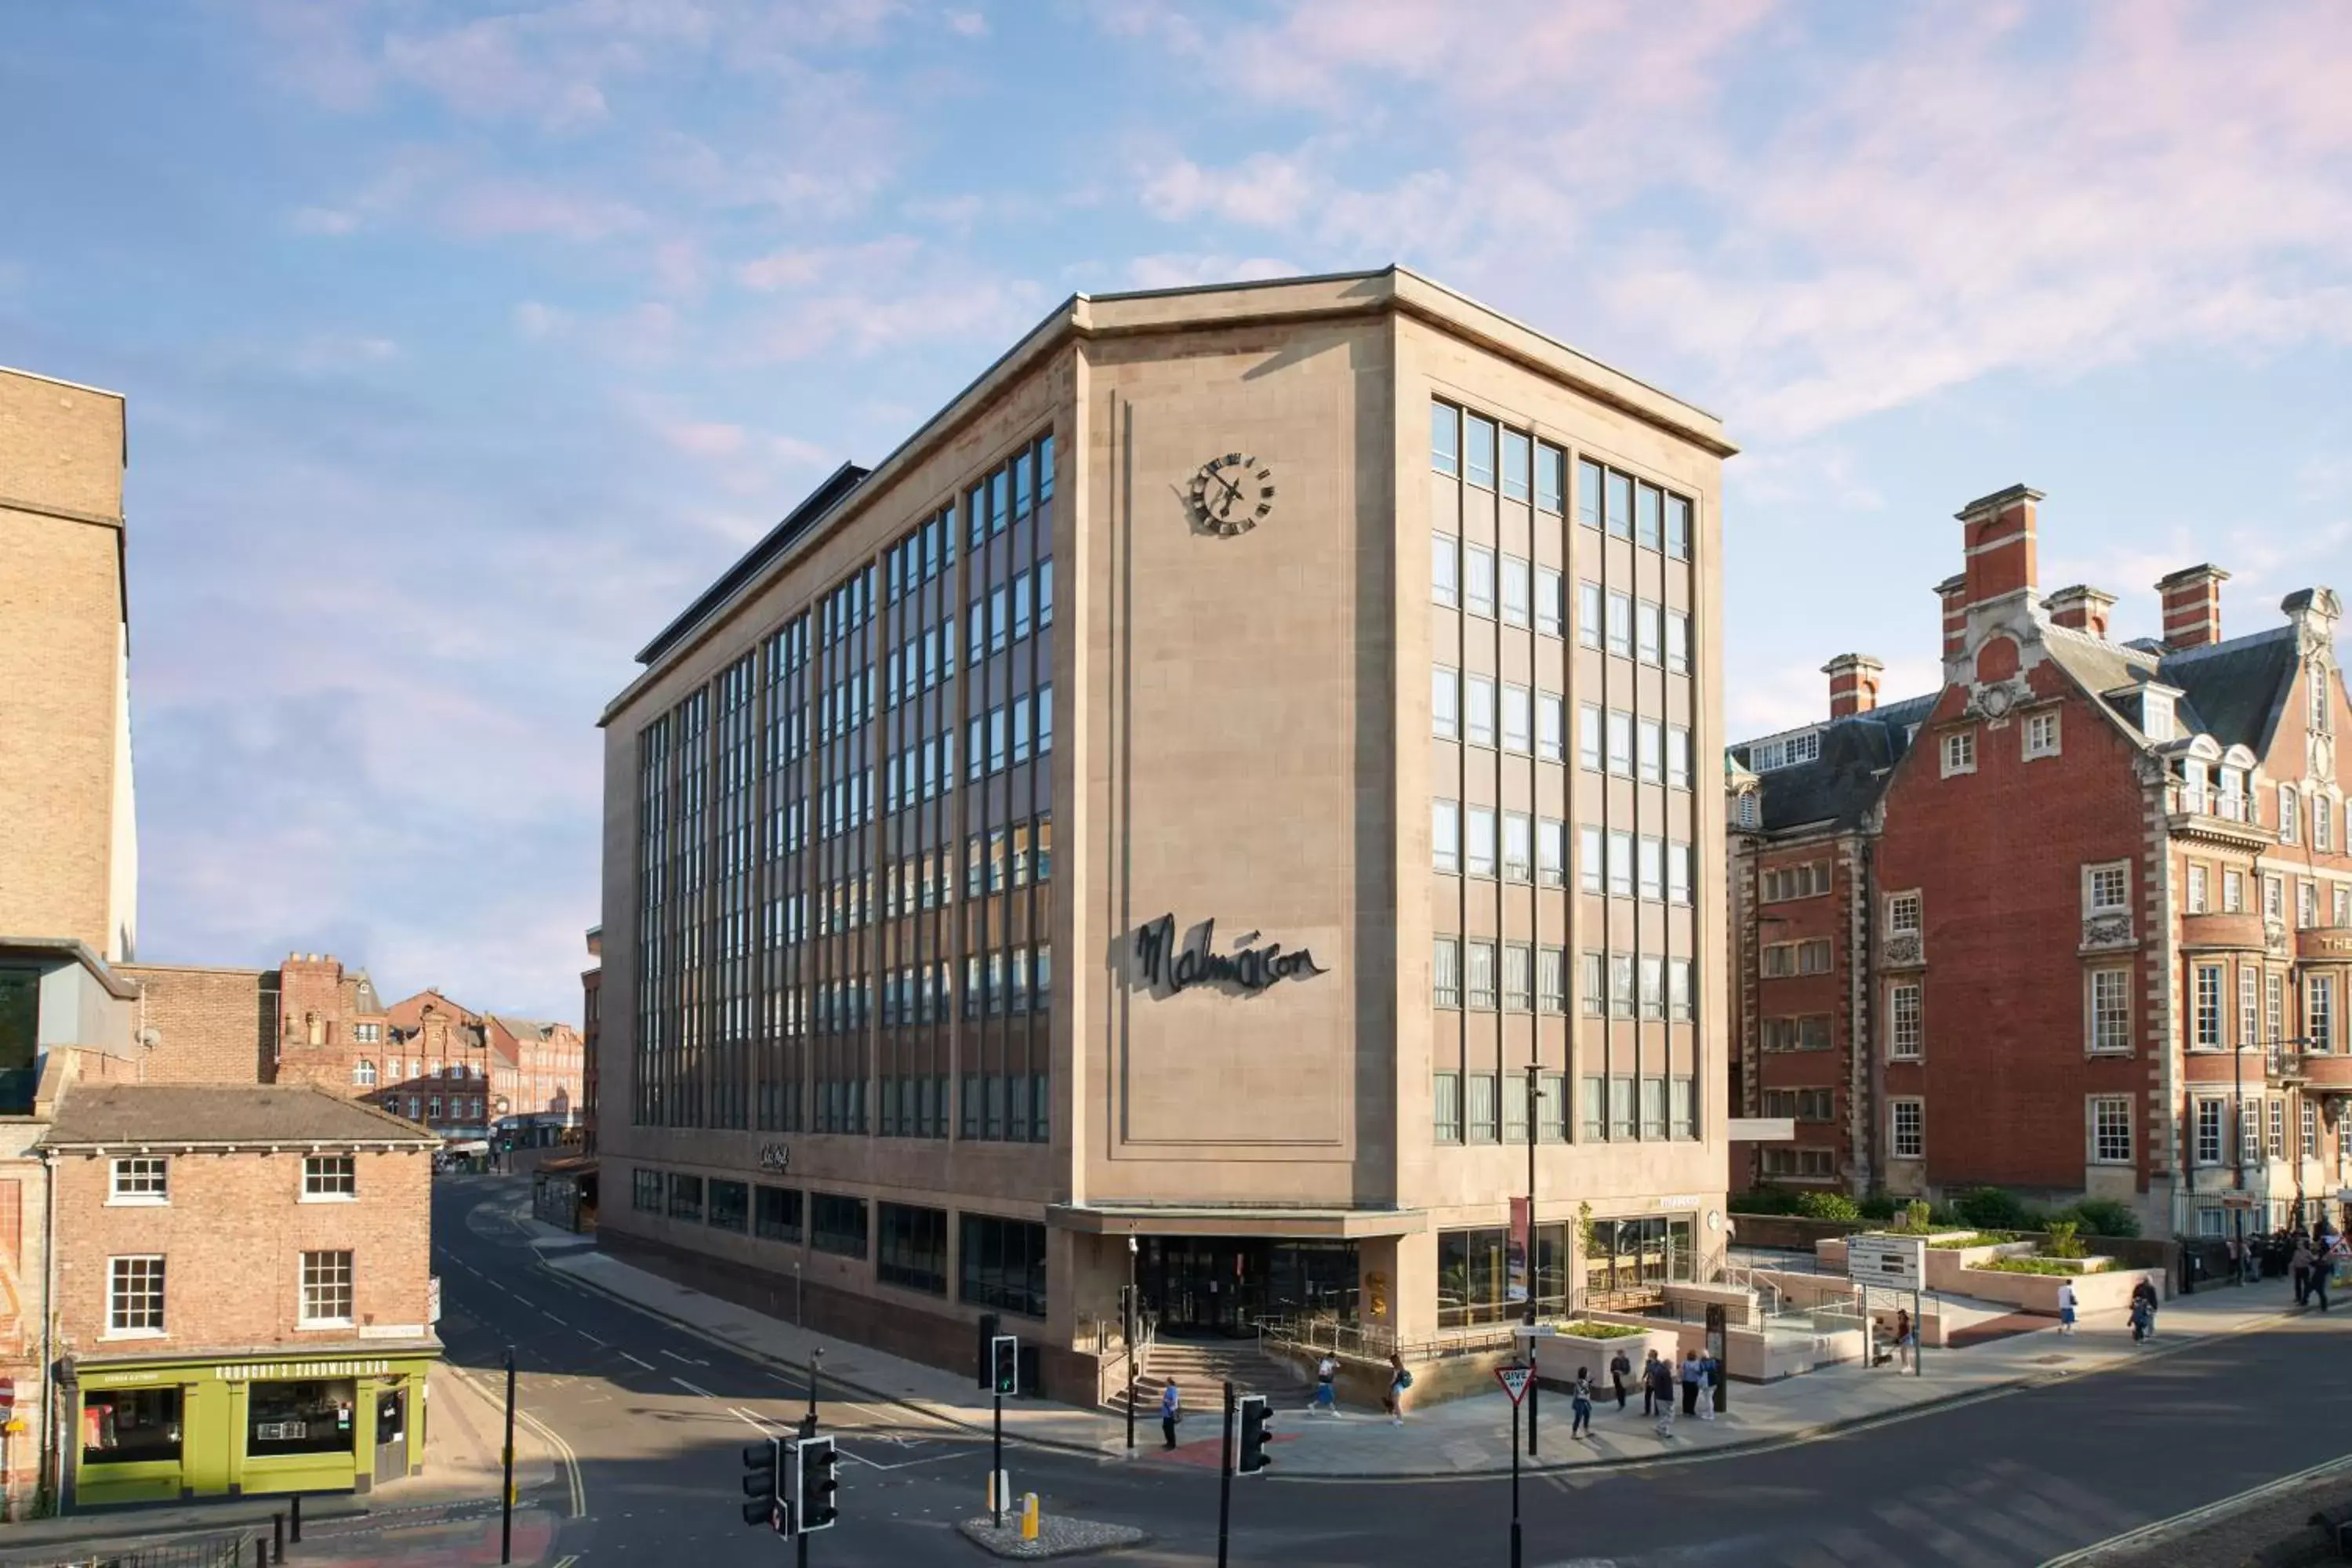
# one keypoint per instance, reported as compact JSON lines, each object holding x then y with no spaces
{"x":326,"y":1290}
{"x":2319,"y":1012}
{"x":2208,"y":1131}
{"x":1904,"y":1029}
{"x":2196,"y":889}
{"x":1446,"y":702}
{"x":1002,"y":1264}
{"x":1478,"y":580}
{"x":1479,"y":699}
{"x":2289,"y":813}
{"x":2042,"y":734}
{"x":134,"y":1295}
{"x":1445,"y":973}
{"x":1445,"y":836}
{"x":1478,"y":841}
{"x":2111,"y":1008}
{"x":2111,"y":1130}
{"x":1481,"y":955}
{"x":911,"y":1247}
{"x":1445,"y":1106}
{"x":2250,"y":1004}
{"x":1910,"y":1128}
{"x":1446,"y":570}
{"x":837,"y":1225}
{"x":2209,"y":1005}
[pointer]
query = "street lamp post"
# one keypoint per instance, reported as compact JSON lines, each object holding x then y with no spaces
{"x":1534,"y":1253}
{"x":1126,"y":1330}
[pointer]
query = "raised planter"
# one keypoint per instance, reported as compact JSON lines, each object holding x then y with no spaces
{"x":2109,"y":1290}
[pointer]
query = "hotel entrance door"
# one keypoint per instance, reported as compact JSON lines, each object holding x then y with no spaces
{"x":1201,"y":1284}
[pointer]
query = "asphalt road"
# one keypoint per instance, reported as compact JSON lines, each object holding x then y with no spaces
{"x":656,"y":1417}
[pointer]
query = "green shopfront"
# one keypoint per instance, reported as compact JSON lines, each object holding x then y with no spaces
{"x":163,"y":1430}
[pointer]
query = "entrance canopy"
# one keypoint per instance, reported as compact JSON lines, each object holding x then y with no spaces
{"x":1210,"y":1219}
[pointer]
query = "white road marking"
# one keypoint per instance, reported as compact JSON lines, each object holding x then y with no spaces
{"x":687,"y":1358}
{"x":554,"y":1318}
{"x":589,"y":1337}
{"x":691,"y":1388}
{"x":647,"y":1364}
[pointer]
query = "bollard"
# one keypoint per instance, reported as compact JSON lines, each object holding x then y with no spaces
{"x":278,"y":1537}
{"x":1029,"y":1516}
{"x":260,"y":1553}
{"x":296,"y":1533}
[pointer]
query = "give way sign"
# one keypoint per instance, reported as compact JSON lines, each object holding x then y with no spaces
{"x":1514,"y":1380}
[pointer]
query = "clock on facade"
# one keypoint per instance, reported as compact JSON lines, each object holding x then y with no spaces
{"x":1232,"y":494}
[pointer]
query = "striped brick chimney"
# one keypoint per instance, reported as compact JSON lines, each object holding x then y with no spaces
{"x":1954,"y":592}
{"x":2081,"y":607}
{"x":1853,"y":684}
{"x":1999,"y":528}
{"x":2193,"y":605}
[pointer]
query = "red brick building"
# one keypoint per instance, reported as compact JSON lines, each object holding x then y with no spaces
{"x":242,"y":1298}
{"x":2078,"y":924}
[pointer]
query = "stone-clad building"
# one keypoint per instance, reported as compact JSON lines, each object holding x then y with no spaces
{"x":1339,"y":627}
{"x":2078,"y":924}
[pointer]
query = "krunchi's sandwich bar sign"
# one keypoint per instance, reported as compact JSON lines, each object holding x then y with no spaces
{"x":1170,"y":968}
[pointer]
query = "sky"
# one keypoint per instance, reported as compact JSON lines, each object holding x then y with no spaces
{"x":464,"y":342}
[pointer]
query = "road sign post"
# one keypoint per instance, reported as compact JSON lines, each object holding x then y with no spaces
{"x":1516,"y":1381}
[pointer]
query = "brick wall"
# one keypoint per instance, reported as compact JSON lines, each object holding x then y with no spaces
{"x":1997,"y":856}
{"x":62,"y":629}
{"x":233,"y":1235}
{"x":211,"y":1026}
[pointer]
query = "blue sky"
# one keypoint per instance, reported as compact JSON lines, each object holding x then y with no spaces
{"x":462,"y":342}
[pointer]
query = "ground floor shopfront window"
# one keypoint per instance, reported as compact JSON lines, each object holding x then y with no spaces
{"x":130,"y":1426}
{"x":1634,"y":1257}
{"x":1479,"y":1281}
{"x":299,"y":1418}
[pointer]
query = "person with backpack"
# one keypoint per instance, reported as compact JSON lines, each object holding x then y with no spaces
{"x":2143,"y":1312}
{"x":1579,"y":1401}
{"x":1399,"y":1381}
{"x":1620,"y":1369}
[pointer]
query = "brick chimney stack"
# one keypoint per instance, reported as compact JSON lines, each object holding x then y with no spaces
{"x":1953,"y":592}
{"x":2193,"y":605}
{"x":1853,"y":684}
{"x":1999,"y":528}
{"x":2082,"y":608}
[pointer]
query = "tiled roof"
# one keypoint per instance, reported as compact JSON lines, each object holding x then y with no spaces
{"x":106,"y":1114}
{"x":1844,"y":782}
{"x":2240,"y":688}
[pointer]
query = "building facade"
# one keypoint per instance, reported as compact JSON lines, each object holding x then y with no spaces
{"x":2076,"y":924}
{"x":1163,"y":820}
{"x":592,"y":1008}
{"x":243,"y":1279}
{"x":65,"y":662}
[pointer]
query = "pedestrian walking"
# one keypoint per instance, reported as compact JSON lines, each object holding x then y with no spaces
{"x":1327,"y":1397}
{"x":1580,"y":1403}
{"x":2143,"y":1312}
{"x":1399,"y":1381}
{"x":2067,"y":1302}
{"x":1691,"y":1372}
{"x":1170,"y":1412}
{"x":1620,"y":1369}
{"x":1661,"y":1393}
{"x":2300,"y":1266}
{"x":1649,"y":1384}
{"x":1902,"y":1339}
{"x":1709,"y":1369}
{"x":2322,"y":1266}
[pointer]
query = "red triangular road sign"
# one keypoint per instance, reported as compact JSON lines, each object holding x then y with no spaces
{"x":1514,"y":1380}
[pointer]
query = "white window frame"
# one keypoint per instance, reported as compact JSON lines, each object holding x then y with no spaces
{"x":1958,"y":752}
{"x":2289,"y":813}
{"x":116,"y":1298}
{"x":139,"y":1181}
{"x":1446,"y":702}
{"x":2094,"y":1039}
{"x":2043,"y":734}
{"x":1906,"y":903}
{"x":309,"y":1292}
{"x":2098,"y":1122}
{"x":330,"y":1178}
{"x":2199,"y":888}
{"x":2096,"y":881}
{"x":2214,"y":1110}
{"x":1915,"y":1147}
{"x":1445,"y":836}
{"x":1906,"y":1031}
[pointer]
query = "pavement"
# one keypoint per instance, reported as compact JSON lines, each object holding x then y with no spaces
{"x":1462,"y":1436}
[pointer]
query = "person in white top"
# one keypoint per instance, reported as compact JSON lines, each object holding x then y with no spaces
{"x":2066,"y":1306}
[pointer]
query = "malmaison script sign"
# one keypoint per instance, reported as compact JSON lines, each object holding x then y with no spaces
{"x":1165,"y":966}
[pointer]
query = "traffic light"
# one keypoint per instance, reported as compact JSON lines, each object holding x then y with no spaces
{"x":982,"y":1376}
{"x":1004,"y":1363}
{"x":815,"y":1484}
{"x":762,"y":1483}
{"x":1257,"y":1429}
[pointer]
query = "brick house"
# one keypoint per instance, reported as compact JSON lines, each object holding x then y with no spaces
{"x":243,"y":1290}
{"x":2076,"y":924}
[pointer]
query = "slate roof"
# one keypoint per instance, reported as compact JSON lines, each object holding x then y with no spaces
{"x":2238,"y":688}
{"x":104,"y":1115}
{"x":1844,"y":782}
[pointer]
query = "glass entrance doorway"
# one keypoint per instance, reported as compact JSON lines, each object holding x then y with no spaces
{"x":1224,"y":1285}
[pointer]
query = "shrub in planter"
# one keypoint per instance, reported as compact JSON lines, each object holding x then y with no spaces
{"x":2063,"y":1242}
{"x":1764,"y":1200}
{"x":1592,"y":1330}
{"x":1994,"y":1208}
{"x":2046,"y":1265}
{"x":1877,"y":1206}
{"x":2104,"y":1216}
{"x":1827,"y":1205}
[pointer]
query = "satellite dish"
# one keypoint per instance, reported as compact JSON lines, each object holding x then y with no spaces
{"x":151,"y":1037}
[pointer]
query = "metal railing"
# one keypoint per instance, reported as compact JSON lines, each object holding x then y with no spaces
{"x":229,"y":1549}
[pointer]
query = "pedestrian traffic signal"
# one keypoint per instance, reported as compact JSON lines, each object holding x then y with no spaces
{"x":814,"y":1463}
{"x":762,"y":1484}
{"x":1257,"y":1430}
{"x":1004,"y":1363}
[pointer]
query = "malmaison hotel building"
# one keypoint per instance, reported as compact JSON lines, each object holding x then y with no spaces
{"x":1156,"y":818}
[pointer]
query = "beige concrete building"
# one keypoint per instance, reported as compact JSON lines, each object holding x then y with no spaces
{"x":70,"y":867}
{"x":1157,"y":819}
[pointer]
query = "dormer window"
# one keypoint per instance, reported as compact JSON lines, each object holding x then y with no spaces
{"x":1751,"y":810}
{"x":2192,"y":785}
{"x":2234,"y":794}
{"x":2156,"y":714}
